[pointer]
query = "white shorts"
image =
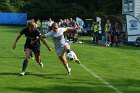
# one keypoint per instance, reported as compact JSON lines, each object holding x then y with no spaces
{"x":60,"y":51}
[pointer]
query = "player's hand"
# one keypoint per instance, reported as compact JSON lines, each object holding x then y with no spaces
{"x":50,"y":49}
{"x":14,"y":46}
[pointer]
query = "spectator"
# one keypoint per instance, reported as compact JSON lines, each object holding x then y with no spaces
{"x":108,"y":32}
{"x":96,"y":33}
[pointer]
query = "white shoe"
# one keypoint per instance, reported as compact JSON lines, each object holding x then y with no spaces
{"x":41,"y":65}
{"x":69,"y":71}
{"x":22,"y":73}
{"x":75,"y":58}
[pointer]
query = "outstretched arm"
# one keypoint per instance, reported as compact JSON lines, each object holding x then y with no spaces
{"x":17,"y":38}
{"x":45,"y":43}
{"x":71,"y":28}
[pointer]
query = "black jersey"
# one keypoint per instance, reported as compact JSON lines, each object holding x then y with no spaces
{"x":31,"y":36}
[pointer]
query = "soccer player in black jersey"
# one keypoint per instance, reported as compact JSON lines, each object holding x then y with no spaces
{"x":32,"y":43}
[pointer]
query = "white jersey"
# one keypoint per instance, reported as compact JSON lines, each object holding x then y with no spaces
{"x":50,"y":23}
{"x":58,"y":37}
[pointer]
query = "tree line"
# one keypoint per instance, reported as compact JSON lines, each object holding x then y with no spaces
{"x":62,"y":8}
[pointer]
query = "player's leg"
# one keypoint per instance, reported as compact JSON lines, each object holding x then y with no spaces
{"x":93,"y":38}
{"x":62,"y":57}
{"x":32,"y":55}
{"x":109,"y":38}
{"x":64,"y":61}
{"x":25,"y":62}
{"x":36,"y":51}
{"x":38,"y":59}
{"x":97,"y":37}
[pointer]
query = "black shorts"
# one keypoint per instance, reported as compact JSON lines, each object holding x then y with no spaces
{"x":35,"y":49}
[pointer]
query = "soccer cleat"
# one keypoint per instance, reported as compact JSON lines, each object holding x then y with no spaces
{"x":22,"y":73}
{"x":75,"y":58}
{"x":41,"y":64}
{"x":77,"y":61}
{"x":69,"y":71}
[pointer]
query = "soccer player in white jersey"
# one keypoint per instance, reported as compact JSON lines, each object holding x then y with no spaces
{"x":57,"y":34}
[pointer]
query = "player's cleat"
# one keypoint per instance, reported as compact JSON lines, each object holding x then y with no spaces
{"x":22,"y":73}
{"x":75,"y":58}
{"x":69,"y":71}
{"x":41,"y":64}
{"x":77,"y":61}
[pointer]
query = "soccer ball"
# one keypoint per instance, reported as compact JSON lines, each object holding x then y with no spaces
{"x":107,"y":45}
{"x":70,"y":56}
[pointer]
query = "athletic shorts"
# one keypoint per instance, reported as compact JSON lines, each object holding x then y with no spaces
{"x":35,"y":49}
{"x":60,"y":51}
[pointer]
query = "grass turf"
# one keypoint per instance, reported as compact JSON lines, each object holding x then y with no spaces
{"x":119,"y":66}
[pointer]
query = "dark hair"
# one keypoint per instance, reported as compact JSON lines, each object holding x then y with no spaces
{"x":54,"y":24}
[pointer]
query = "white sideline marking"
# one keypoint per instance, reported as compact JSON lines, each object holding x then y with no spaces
{"x":99,"y":78}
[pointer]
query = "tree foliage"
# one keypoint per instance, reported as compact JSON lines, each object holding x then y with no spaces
{"x":62,"y":8}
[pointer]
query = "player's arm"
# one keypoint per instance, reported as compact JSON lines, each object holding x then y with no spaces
{"x":45,"y":43}
{"x":17,"y":38}
{"x":70,"y":28}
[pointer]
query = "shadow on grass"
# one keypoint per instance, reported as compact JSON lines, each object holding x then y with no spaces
{"x":78,"y":85}
{"x":10,"y":57}
{"x":46,"y":76}
{"x":8,"y":73}
{"x":65,"y":89}
{"x":125,"y":86}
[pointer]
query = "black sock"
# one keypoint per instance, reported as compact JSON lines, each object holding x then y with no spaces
{"x":25,"y":63}
{"x":68,"y":50}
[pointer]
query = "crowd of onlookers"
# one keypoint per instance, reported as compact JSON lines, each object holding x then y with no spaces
{"x":45,"y":25}
{"x":110,"y":31}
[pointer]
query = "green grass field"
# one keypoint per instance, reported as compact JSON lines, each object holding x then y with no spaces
{"x":103,"y":70}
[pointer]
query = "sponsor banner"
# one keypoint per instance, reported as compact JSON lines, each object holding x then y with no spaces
{"x":133,"y":28}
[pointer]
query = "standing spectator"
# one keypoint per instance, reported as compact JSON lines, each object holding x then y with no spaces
{"x":75,"y":32}
{"x":60,"y":23}
{"x":43,"y":26}
{"x":96,"y":33}
{"x":108,"y":32}
{"x":38,"y":23}
{"x":50,"y":22}
{"x":115,"y":34}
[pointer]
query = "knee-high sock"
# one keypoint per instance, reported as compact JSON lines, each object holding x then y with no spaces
{"x":25,"y":63}
{"x":66,"y":66}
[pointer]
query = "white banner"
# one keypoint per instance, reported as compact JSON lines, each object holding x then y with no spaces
{"x":98,"y":19}
{"x":80,"y":22}
{"x":133,"y":28}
